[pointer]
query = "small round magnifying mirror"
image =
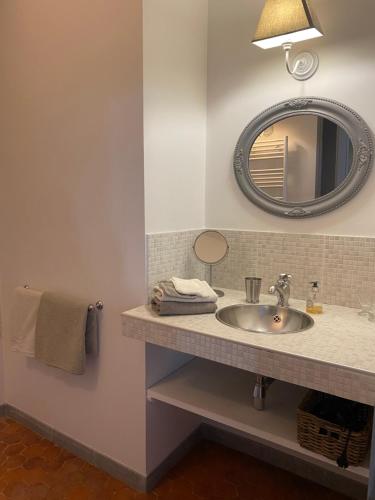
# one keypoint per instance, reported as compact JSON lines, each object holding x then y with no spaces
{"x":211,"y":248}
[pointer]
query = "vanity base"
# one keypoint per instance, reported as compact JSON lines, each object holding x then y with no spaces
{"x":221,"y":395}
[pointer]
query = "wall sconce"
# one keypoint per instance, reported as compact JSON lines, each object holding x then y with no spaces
{"x":284,"y":23}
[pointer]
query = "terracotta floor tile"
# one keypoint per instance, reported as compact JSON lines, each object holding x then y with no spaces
{"x":30,"y":437}
{"x":126,"y":494}
{"x":13,"y":462}
{"x":34,"y":463}
{"x":16,"y":491}
{"x":34,"y":450}
{"x":57,"y":492}
{"x":32,"y":468}
{"x":38,"y":492}
{"x":80,"y":493}
{"x":143,"y":496}
{"x":14,"y":449}
{"x":11,"y":438}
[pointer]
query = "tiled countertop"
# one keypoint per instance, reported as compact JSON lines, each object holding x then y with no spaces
{"x":337,"y":355}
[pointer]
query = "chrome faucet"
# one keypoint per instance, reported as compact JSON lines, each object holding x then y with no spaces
{"x":282,"y":290}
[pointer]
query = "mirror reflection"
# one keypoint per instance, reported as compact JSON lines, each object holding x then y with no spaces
{"x":301,"y":158}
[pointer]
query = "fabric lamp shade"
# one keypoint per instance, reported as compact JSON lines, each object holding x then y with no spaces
{"x":286,"y":21}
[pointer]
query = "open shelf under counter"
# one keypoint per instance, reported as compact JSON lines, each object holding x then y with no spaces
{"x":223,"y":394}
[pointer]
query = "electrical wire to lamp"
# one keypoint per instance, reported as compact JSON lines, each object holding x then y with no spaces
{"x":284,"y":23}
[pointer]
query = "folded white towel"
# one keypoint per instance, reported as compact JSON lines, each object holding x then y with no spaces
{"x":24,"y":317}
{"x":166,"y":292}
{"x":194,"y":287}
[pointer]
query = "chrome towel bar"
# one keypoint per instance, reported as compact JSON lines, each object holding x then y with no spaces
{"x":99,"y":305}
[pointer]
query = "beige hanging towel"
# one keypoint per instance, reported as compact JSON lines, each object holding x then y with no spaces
{"x":61,"y":329}
{"x":24,"y":317}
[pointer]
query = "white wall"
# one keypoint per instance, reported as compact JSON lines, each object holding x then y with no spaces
{"x":175,"y":120}
{"x":175,"y":77}
{"x":243,"y":80}
{"x":72,"y":203}
{"x":2,"y":374}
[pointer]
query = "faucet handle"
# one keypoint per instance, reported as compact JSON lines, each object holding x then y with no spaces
{"x":285,"y":277}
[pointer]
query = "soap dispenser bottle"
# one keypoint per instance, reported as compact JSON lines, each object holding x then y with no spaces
{"x":313,"y":303}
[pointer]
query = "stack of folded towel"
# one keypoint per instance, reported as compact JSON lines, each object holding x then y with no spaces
{"x":178,"y":296}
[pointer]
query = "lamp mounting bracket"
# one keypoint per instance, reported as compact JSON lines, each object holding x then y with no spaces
{"x":304,"y":66}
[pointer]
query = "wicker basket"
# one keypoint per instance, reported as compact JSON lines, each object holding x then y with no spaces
{"x":329,"y":439}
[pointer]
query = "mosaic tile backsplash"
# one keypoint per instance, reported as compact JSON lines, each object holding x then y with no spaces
{"x":171,"y":254}
{"x":345,"y":266}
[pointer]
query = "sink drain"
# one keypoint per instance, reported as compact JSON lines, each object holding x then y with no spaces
{"x":277,"y":319}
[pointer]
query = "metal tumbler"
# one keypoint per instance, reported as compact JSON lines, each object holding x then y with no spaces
{"x":253,"y":286}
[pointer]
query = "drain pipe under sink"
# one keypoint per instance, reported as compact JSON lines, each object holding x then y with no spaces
{"x":260,"y":391}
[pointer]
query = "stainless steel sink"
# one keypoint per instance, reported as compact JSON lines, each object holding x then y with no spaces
{"x":265,"y":319}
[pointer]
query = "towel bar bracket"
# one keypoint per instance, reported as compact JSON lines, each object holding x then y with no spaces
{"x":99,"y":306}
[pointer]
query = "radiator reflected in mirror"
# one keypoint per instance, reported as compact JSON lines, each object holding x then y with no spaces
{"x":301,"y":158}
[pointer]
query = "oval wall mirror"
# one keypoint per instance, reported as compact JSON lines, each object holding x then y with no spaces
{"x":304,"y":157}
{"x":211,"y":248}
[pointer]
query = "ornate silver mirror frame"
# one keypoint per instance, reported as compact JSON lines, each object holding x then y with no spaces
{"x":349,"y":120}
